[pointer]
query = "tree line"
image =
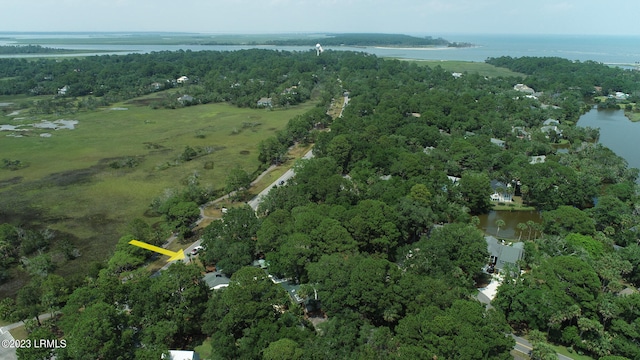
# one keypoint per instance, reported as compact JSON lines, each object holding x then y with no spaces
{"x":364,"y":40}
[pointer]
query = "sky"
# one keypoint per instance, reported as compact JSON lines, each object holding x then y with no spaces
{"x":425,"y":17}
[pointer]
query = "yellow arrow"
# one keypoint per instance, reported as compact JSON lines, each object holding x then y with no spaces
{"x":173,"y":255}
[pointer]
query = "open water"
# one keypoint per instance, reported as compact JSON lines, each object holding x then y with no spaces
{"x":615,"y":50}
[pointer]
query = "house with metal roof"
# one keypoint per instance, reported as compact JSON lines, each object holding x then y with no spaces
{"x":503,"y":254}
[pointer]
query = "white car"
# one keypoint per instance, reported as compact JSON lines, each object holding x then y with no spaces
{"x":196,"y":250}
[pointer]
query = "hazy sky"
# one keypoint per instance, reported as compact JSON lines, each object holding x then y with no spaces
{"x":284,"y":16}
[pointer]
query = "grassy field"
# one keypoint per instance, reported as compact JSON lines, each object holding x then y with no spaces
{"x":483,"y":69}
{"x":69,"y":185}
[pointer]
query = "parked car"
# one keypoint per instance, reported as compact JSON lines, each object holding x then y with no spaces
{"x":196,"y":250}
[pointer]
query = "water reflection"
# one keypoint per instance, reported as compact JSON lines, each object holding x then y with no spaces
{"x":616,"y":132}
{"x":511,"y":219}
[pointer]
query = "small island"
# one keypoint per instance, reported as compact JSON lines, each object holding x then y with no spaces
{"x":389,"y":40}
{"x":36,"y":49}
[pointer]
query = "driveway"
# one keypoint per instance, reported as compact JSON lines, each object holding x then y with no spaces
{"x":10,"y":353}
{"x":5,"y":352}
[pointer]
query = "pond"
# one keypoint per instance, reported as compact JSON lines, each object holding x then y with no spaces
{"x":616,"y":132}
{"x":511,"y":220}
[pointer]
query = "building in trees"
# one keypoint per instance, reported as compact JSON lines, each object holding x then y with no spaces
{"x":503,"y":255}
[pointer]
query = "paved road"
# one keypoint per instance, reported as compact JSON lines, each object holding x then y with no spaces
{"x":255,"y":202}
{"x":522,"y":344}
{"x":525,"y":346}
{"x":187,"y":258}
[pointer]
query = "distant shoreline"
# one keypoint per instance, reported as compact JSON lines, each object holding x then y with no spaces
{"x":433,"y":48}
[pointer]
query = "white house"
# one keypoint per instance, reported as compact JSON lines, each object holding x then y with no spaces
{"x":498,"y":142}
{"x":185,"y":99}
{"x":621,"y":96}
{"x":181,"y":355}
{"x":520,"y":132}
{"x":549,"y":128}
{"x":523,"y":88}
{"x":265,"y":102}
{"x":63,"y":90}
{"x":501,"y":192}
{"x":537,"y":159}
{"x":182,"y":80}
{"x":453,"y":179}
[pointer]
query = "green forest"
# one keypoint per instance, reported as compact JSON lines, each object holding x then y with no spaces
{"x":368,"y":40}
{"x":384,"y":247}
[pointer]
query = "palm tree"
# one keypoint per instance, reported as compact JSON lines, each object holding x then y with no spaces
{"x":500,"y":191}
{"x":521,"y":227}
{"x":530,"y":225}
{"x":390,"y":315}
{"x":524,"y":190}
{"x":499,"y":223}
{"x":511,"y":191}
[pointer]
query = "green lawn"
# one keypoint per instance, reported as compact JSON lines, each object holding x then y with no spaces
{"x":563,"y":350}
{"x":206,"y":351}
{"x":483,"y":69}
{"x":516,"y":205}
{"x":69,"y":186}
{"x":633,"y":115}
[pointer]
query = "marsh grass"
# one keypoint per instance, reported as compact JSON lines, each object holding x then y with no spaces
{"x":70,"y":187}
{"x":483,"y":69}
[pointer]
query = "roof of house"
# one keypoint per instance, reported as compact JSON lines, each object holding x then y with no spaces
{"x":537,"y":159}
{"x":551,"y":122}
{"x":523,"y":88}
{"x":507,"y":253}
{"x":627,"y":291}
{"x":549,"y":128}
{"x":216,"y":280}
{"x":519,"y":131}
{"x":292,"y":290}
{"x":497,"y":142}
{"x":289,"y":286}
{"x":496,"y":184}
{"x":185,"y":98}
